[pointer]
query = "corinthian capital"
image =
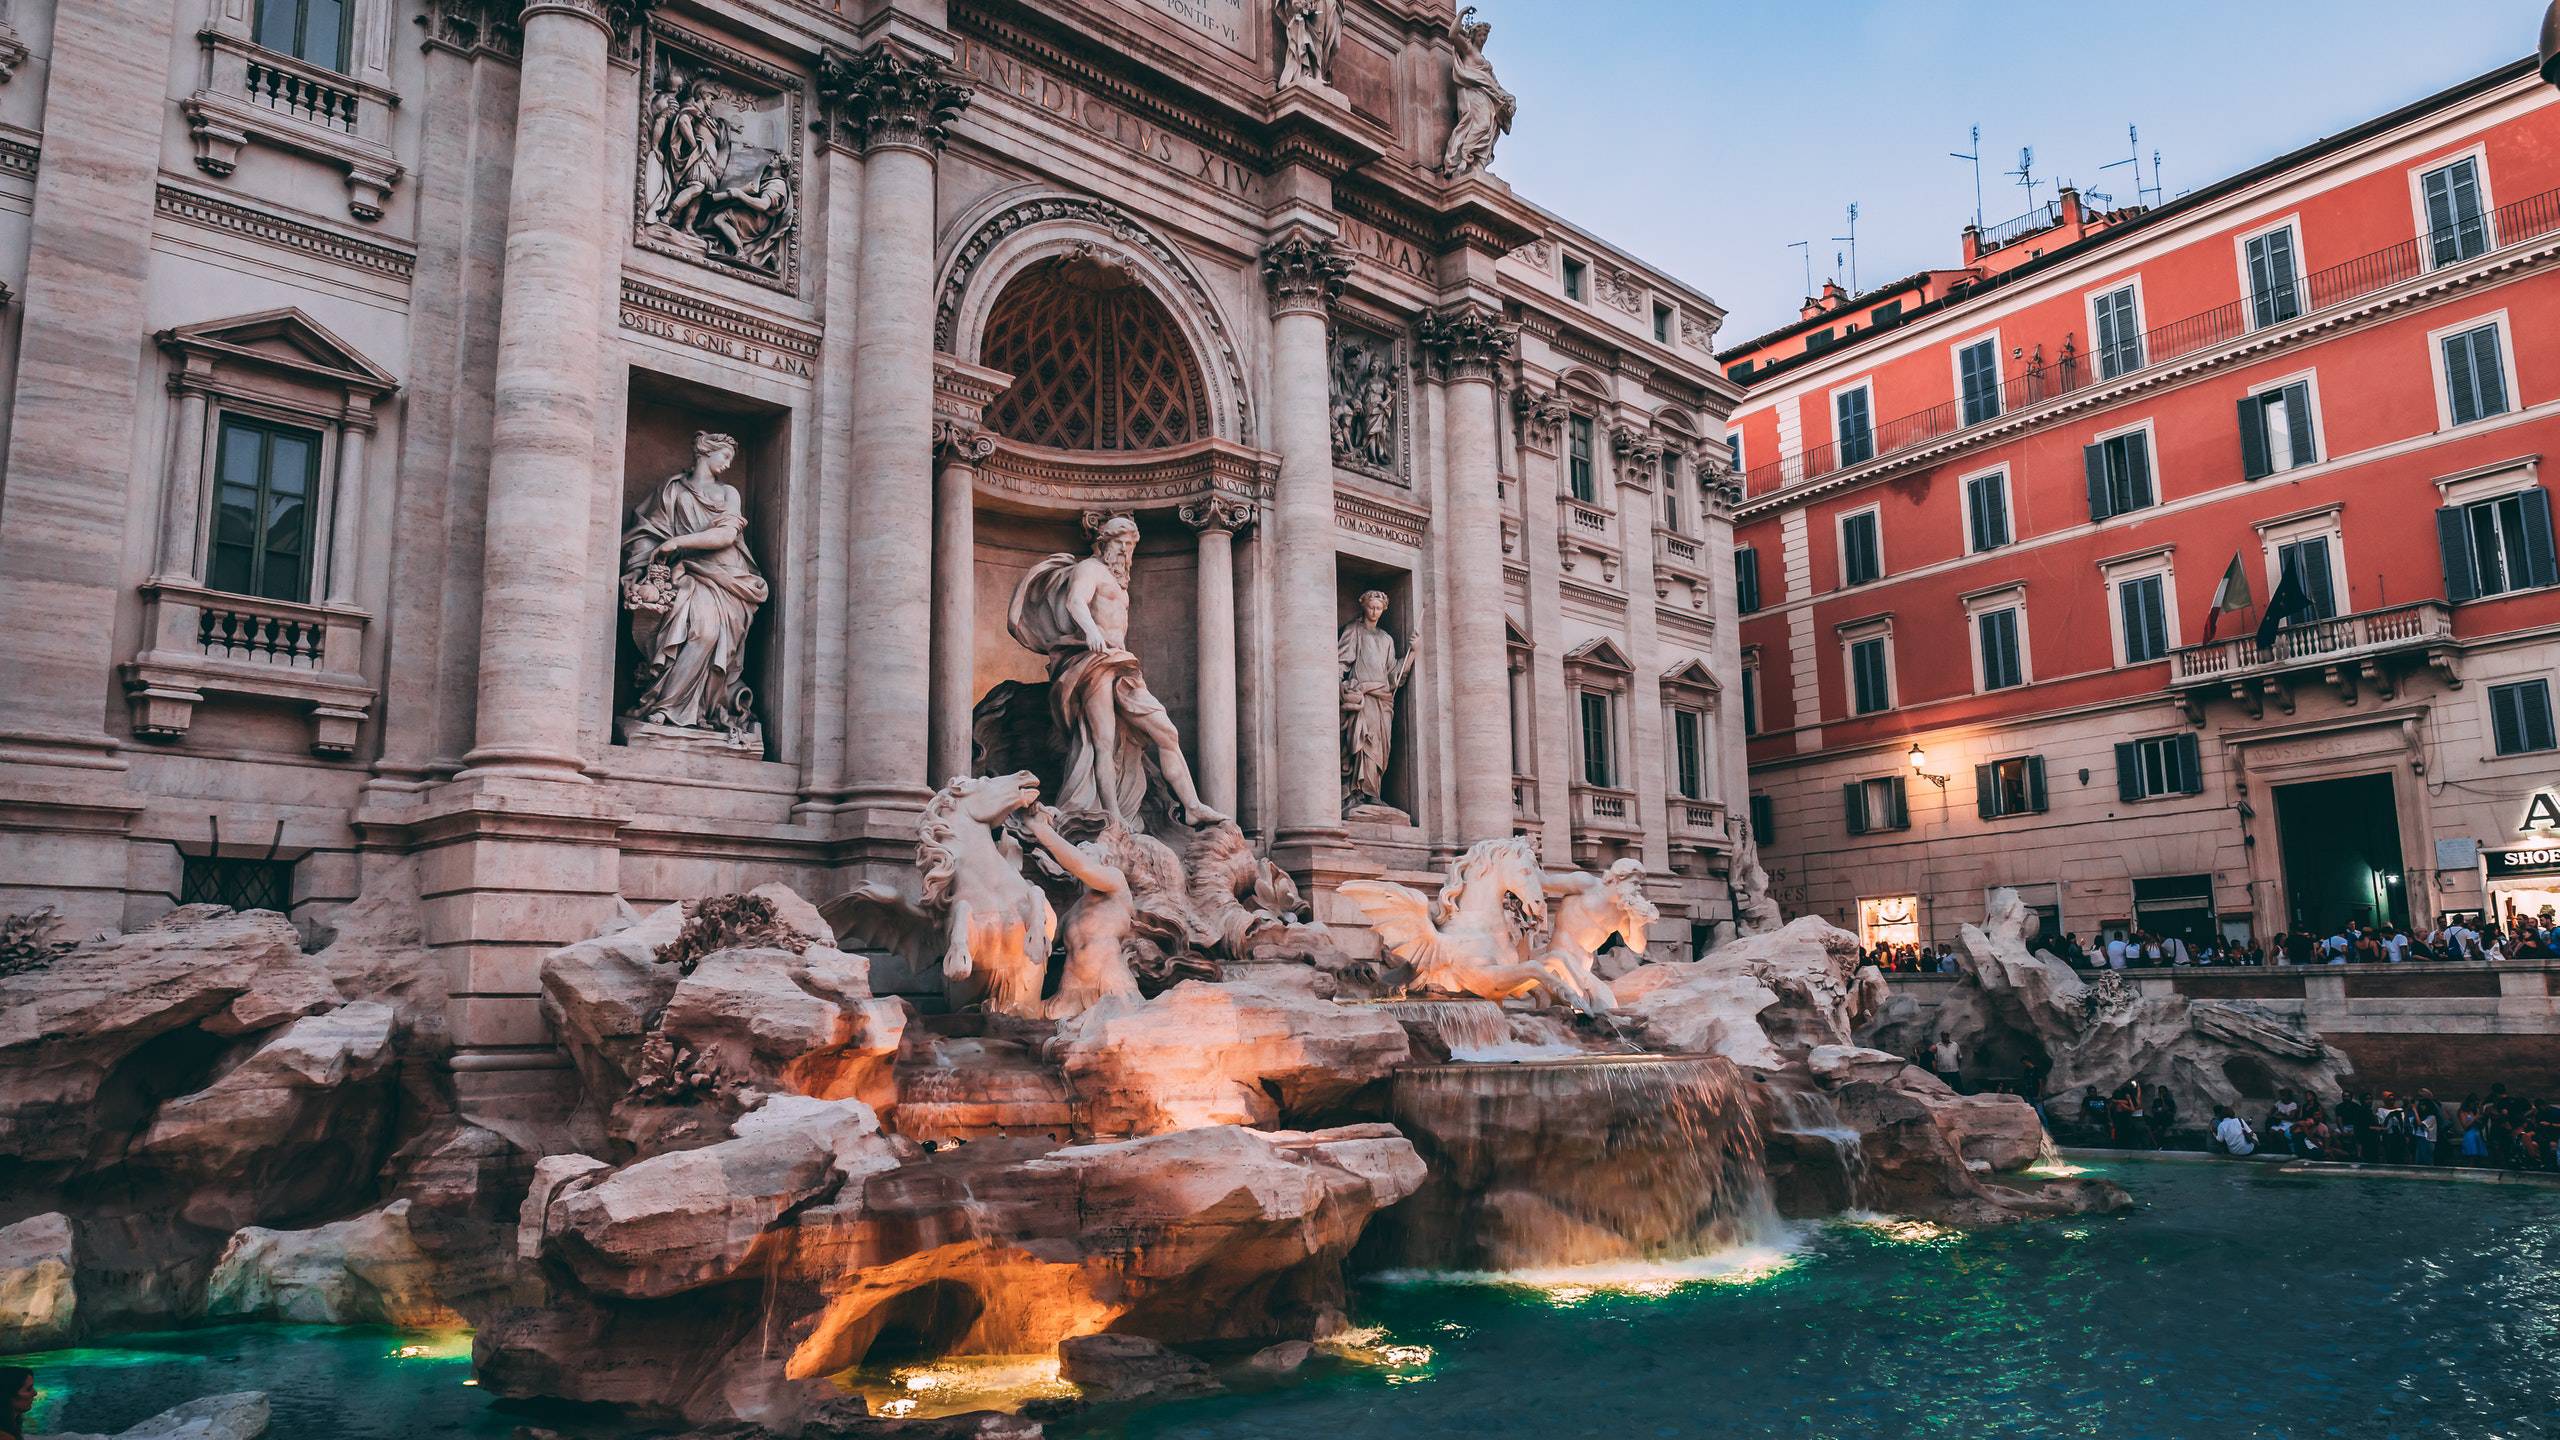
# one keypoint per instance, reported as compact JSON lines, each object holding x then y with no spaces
{"x":885,"y":97}
{"x":1542,"y":415}
{"x":1305,"y":272}
{"x":1218,"y":510}
{"x":1469,"y":342}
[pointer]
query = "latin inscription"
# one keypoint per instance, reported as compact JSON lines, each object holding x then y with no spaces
{"x":1371,"y":243}
{"x":1100,"y":118}
{"x":1225,"y":21}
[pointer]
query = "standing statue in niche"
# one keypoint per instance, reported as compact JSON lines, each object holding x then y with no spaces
{"x":692,"y":589}
{"x":1310,"y":33}
{"x":1372,"y":674}
{"x":1485,"y":109}
{"x":1075,"y":610}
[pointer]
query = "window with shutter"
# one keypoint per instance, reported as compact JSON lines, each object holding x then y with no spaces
{"x":1869,"y":681}
{"x":1853,"y":804}
{"x":2457,"y":223}
{"x":1978,"y":380}
{"x":1750,"y":700}
{"x":1599,"y":766}
{"x":1746,"y":581}
{"x":1997,"y":633}
{"x":1986,"y":504}
{"x":2475,"y":379}
{"x":2119,"y":333}
{"x":1578,"y":470}
{"x":1854,"y":414}
{"x":1861,"y":549}
{"x":2307,"y":561}
{"x":2014,"y":786}
{"x":1764,"y":819}
{"x":2520,"y":716}
{"x":2159,"y":765}
{"x":2143,"y":614}
{"x":2275,"y":430}
{"x":2119,"y":469}
{"x":2496,"y":545}
{"x":2274,"y":294}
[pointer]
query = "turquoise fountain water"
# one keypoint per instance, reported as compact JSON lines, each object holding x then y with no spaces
{"x":2233,"y":1302}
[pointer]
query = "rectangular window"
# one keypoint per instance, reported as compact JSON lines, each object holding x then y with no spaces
{"x":2496,"y":545}
{"x":1689,"y":753}
{"x":1870,"y":682}
{"x":1577,"y":279}
{"x":2160,"y":765}
{"x":1599,"y":762}
{"x":1882,"y":803}
{"x":2142,"y":604}
{"x":1733,"y":451}
{"x":264,"y":477}
{"x":2521,"y":716}
{"x":2308,"y":562}
{"x":2119,"y":473}
{"x":1750,"y":700}
{"x":313,"y":30}
{"x":2475,"y":381}
{"x":1764,"y":820}
{"x":2119,"y":333}
{"x":1978,"y":380}
{"x":2457,"y":223}
{"x":1578,"y":469}
{"x":1662,"y":322}
{"x":2275,"y":431}
{"x":1854,"y":412}
{"x":1861,"y":549}
{"x":1746,"y":581}
{"x":2014,"y":786}
{"x":2002,"y":667}
{"x":239,"y":884}
{"x":1671,"y":491}
{"x":1986,"y":511}
{"x":2275,"y":290}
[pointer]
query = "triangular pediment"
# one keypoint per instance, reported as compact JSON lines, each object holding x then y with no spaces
{"x":1600,"y":654}
{"x":287,"y":340}
{"x":1691,"y":674}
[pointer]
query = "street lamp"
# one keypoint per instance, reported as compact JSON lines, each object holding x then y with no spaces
{"x":1919,"y":758}
{"x":2551,"y":43}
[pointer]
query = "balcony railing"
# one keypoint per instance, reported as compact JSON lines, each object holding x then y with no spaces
{"x":2364,"y":634}
{"x":1599,"y":810}
{"x":2038,"y":377}
{"x":1696,"y":823}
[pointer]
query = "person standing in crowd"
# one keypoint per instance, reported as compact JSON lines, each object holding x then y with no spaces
{"x":1947,"y":1058}
{"x":2162,"y":1116}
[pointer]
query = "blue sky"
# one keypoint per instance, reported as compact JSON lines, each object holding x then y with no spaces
{"x":1704,"y":135}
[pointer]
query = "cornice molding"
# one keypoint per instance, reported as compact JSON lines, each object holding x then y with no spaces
{"x":228,"y":218}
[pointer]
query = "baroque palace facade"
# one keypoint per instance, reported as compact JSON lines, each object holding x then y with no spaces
{"x":500,"y":458}
{"x":1991,"y":510}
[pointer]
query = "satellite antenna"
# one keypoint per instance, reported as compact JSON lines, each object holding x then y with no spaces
{"x":1807,"y":247}
{"x":2026,"y":173}
{"x":1852,"y":238}
{"x":1976,"y":158}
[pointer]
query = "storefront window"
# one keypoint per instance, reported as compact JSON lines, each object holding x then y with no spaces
{"x":1889,"y":920}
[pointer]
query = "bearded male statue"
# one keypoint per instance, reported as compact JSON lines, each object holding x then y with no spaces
{"x":1075,"y":610}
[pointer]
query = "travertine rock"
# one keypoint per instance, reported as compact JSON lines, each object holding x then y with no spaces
{"x":39,"y":1292}
{"x":1699,"y":1008}
{"x":366,"y":1270}
{"x":1119,"y":1368}
{"x":239,"y":1416}
{"x":1812,"y":965}
{"x":1239,"y":1054}
{"x":1915,"y":1137}
{"x":599,"y":996}
{"x":66,"y":1028}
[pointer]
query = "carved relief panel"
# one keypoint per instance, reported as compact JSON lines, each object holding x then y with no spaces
{"x":1371,"y":405}
{"x":720,"y":177}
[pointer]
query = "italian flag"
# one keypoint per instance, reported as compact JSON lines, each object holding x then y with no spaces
{"x":2232,"y":593}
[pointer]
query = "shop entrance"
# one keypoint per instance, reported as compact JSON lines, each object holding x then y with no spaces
{"x":2341,"y":846}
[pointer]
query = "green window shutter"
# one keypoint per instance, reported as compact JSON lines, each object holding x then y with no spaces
{"x":2453,"y":537}
{"x":2540,"y":569}
{"x":2190,"y":765}
{"x":1901,"y":793}
{"x":2254,"y":464}
{"x":1853,"y":803}
{"x":2094,"y":459}
{"x":1985,"y":792}
{"x":2035,"y":785}
{"x":2297,"y":423}
{"x":2128,"y":771}
{"x":2492,"y":376}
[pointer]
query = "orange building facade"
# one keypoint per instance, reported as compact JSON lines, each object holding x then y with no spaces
{"x":1984,"y":531}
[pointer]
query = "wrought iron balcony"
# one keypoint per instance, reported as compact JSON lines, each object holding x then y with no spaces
{"x":2348,"y":651}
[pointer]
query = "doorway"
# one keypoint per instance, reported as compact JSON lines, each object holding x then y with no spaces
{"x":2341,"y":847}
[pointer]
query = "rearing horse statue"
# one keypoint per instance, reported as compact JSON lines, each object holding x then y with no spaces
{"x":1475,"y":940}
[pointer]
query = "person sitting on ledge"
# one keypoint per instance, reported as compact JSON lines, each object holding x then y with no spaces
{"x":2232,"y":1135}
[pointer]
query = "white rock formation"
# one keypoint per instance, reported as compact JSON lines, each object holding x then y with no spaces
{"x":1240,"y":1054}
{"x":39,"y":1292}
{"x":365,"y":1270}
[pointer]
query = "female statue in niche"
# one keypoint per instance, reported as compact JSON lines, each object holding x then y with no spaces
{"x":692,"y":588}
{"x":1372,"y":674}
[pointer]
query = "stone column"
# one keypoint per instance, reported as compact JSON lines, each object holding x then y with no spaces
{"x":1638,"y":458}
{"x":1469,"y":342}
{"x":898,"y":104}
{"x":955,"y":594}
{"x":346,"y":509}
{"x":1217,"y":518}
{"x":537,"y":561}
{"x":1305,"y":271}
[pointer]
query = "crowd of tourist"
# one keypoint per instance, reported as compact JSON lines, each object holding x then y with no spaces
{"x":2497,"y":1130}
{"x":2350,"y":943}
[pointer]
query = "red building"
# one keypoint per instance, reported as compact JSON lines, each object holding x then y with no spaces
{"x":1988,"y":511}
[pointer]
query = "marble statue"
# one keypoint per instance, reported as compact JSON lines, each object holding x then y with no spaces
{"x":1075,"y":610}
{"x":1485,"y":109}
{"x":754,"y":219}
{"x":715,"y":180}
{"x":1475,"y":939}
{"x":1100,"y":924}
{"x":692,"y":589}
{"x":1588,"y":909}
{"x":1372,"y":674}
{"x":1310,"y":33}
{"x":1755,"y":913}
{"x":997,"y":926}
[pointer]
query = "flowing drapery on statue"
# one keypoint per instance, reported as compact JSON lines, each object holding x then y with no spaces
{"x":1075,"y":610}
{"x":1484,"y":109}
{"x":693,"y":589}
{"x":1372,"y":673}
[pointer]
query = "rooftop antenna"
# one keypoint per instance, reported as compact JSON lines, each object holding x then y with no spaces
{"x":1852,"y":238}
{"x":2156,"y":191}
{"x":2026,"y":173}
{"x":2142,"y":194}
{"x":1807,"y":247}
{"x":1976,"y":158}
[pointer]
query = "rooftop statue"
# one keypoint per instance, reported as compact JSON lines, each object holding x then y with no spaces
{"x":1485,"y":109}
{"x":1075,"y":610}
